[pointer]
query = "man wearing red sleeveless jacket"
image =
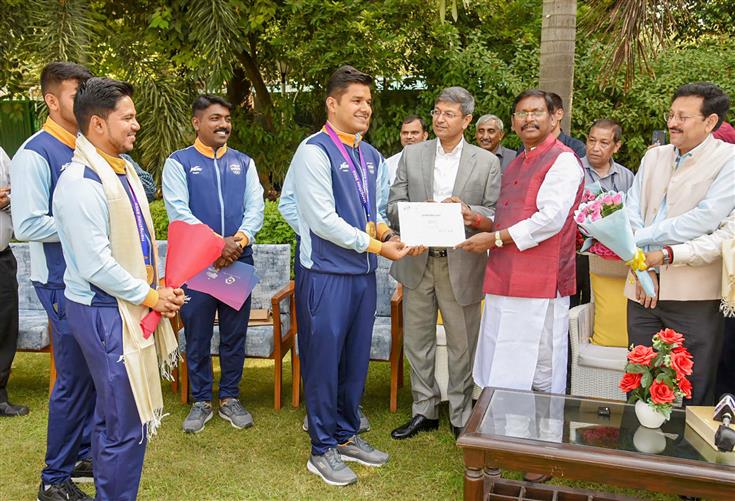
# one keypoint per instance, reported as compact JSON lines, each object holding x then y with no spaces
{"x":530,"y":273}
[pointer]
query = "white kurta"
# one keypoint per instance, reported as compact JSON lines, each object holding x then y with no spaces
{"x":523,"y":341}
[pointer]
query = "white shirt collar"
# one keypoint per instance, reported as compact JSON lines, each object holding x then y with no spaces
{"x":455,"y":152}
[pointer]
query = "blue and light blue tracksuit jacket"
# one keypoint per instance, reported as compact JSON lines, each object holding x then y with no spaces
{"x":34,"y":172}
{"x":93,"y":277}
{"x":330,"y":217}
{"x":221,"y":190}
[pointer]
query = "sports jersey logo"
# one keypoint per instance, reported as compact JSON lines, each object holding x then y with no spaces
{"x":371,"y":167}
{"x":195,"y":170}
{"x":344,"y":167}
{"x":235,"y":169}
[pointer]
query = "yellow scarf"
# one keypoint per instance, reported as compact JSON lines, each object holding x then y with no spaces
{"x":143,"y":358}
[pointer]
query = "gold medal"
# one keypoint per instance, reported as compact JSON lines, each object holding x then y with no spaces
{"x":149,"y":273}
{"x":371,"y":230}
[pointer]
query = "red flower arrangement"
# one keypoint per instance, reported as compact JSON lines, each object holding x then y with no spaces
{"x":658,"y":375}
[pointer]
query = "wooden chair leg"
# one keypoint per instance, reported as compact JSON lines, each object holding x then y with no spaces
{"x":277,"y":383}
{"x":295,"y":379}
{"x":175,"y":382}
{"x":52,"y":371}
{"x":394,"y":373}
{"x":184,"y":381}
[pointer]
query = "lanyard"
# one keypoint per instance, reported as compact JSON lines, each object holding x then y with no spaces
{"x":360,"y":183}
{"x":140,"y":223}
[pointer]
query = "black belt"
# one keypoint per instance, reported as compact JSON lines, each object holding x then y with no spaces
{"x":437,"y":252}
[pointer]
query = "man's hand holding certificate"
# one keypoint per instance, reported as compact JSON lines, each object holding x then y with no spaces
{"x":431,"y":224}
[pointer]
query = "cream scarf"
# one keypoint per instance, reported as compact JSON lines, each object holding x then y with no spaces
{"x":143,"y":358}
{"x":728,"y":278}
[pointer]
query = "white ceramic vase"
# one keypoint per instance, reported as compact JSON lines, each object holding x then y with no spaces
{"x":648,"y":416}
{"x":649,"y":441}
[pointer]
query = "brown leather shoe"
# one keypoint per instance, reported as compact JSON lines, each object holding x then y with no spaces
{"x":537,"y":478}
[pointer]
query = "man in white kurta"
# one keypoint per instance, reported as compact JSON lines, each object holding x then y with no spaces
{"x":531,"y":272}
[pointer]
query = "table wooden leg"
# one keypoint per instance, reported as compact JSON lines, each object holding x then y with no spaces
{"x":473,"y":483}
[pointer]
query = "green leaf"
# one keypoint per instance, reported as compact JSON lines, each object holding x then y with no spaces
{"x":647,"y":379}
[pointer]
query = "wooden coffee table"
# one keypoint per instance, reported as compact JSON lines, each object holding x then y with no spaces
{"x":588,"y":439}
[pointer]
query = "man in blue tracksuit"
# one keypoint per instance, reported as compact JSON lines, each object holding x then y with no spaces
{"x":99,"y":203}
{"x":35,"y":170}
{"x":216,"y":185}
{"x":337,"y":196}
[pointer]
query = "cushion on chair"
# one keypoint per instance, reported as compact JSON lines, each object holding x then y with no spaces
{"x":611,"y":311}
{"x":386,"y":287}
{"x":32,"y":330}
{"x":258,"y":342}
{"x":602,"y":357}
{"x":27,"y":298}
{"x":380,"y":345}
{"x":273,"y":266}
{"x":162,"y":252}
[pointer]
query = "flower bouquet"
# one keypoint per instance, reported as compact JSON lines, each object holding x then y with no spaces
{"x":603,"y":220}
{"x":657,"y":375}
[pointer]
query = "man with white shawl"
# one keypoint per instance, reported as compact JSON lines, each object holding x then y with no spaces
{"x":107,"y":238}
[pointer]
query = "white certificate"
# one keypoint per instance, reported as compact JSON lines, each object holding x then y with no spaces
{"x":431,"y":224}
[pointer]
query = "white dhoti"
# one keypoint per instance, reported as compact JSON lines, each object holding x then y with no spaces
{"x":523,"y":344}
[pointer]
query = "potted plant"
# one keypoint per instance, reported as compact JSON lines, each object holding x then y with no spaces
{"x":655,"y":376}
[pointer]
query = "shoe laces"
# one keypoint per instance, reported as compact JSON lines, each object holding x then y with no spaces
{"x":200,"y":408}
{"x":333,"y":459}
{"x":361,"y":444}
{"x":74,"y":491}
{"x":235,"y":406}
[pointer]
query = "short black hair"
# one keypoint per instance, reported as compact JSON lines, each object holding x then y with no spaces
{"x":607,"y":123}
{"x":59,"y":71}
{"x":412,"y":118}
{"x":534,"y":93}
{"x":98,"y":96}
{"x":556,"y":101}
{"x":343,"y":77}
{"x":204,"y":101}
{"x":714,"y":99}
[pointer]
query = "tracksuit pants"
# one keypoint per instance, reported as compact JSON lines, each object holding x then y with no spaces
{"x":198,"y":316}
{"x":72,"y":402}
{"x":118,"y":440}
{"x":336,"y":314}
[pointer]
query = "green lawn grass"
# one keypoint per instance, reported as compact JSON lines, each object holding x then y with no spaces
{"x":267,"y":461}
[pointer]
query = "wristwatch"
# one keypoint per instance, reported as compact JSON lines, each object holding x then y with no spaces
{"x":498,"y":240}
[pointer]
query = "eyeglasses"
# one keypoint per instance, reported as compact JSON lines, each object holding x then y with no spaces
{"x":449,"y":115}
{"x":522,"y":115}
{"x":669,"y":116}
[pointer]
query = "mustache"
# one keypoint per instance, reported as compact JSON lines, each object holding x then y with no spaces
{"x":223,"y":129}
{"x":675,"y":129}
{"x":530,"y":125}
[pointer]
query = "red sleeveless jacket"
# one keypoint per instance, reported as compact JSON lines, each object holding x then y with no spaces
{"x":541,"y":271}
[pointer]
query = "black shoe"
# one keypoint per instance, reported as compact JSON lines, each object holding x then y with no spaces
{"x":65,"y":491}
{"x":457,"y":430}
{"x":9,"y":410}
{"x":83,"y":472}
{"x":418,"y":423}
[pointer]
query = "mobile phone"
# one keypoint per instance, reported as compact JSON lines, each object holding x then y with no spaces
{"x":659,"y":137}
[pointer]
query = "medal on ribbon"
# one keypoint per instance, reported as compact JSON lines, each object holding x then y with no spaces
{"x":361,"y":179}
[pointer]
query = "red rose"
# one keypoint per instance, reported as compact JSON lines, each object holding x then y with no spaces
{"x":682,"y":363}
{"x":682,"y":350}
{"x":661,"y":393}
{"x":685,"y":386}
{"x":630,"y":382}
{"x":670,"y":336}
{"x":641,"y":355}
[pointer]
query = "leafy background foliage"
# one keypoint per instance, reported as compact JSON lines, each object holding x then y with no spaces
{"x":252,"y":51}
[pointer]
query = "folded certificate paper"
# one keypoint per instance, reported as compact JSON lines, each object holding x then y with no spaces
{"x":431,"y":224}
{"x":231,"y":285}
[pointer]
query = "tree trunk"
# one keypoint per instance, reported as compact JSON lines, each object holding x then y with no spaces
{"x":263,"y":102}
{"x":556,"y":71}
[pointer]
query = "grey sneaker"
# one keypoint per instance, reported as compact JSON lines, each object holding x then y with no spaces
{"x":331,"y":469}
{"x":200,"y":413}
{"x":358,"y":450}
{"x":364,"y":423}
{"x":233,"y":411}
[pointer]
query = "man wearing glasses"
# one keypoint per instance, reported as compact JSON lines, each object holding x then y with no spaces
{"x":446,"y":169}
{"x":682,"y":191}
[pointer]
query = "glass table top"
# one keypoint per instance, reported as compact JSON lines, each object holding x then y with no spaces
{"x":594,"y":423}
